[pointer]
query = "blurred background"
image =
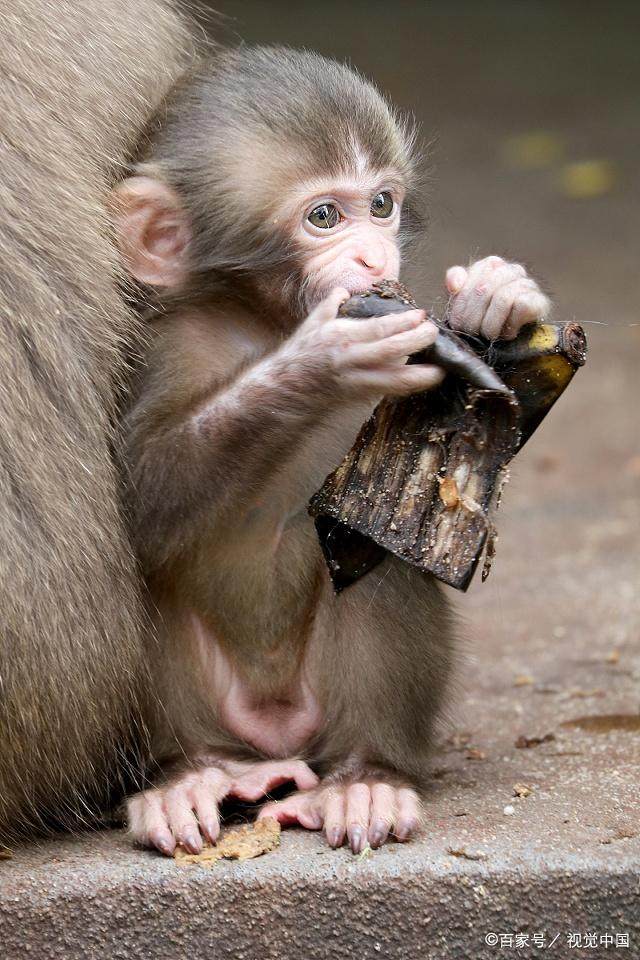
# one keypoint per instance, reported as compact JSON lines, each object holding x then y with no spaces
{"x":531,"y":114}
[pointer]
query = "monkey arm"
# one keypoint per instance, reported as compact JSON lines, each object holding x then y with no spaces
{"x":202,"y":458}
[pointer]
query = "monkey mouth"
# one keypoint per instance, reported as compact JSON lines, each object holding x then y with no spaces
{"x":312,"y":293}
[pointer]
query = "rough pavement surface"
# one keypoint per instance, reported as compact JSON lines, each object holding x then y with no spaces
{"x":551,"y":638}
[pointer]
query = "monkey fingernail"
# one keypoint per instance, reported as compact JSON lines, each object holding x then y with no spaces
{"x":378,"y":833}
{"x":456,"y":277}
{"x":191,"y":842}
{"x":405,"y":829}
{"x":335,"y":836}
{"x":163,"y":842}
{"x":357,"y":838}
{"x":211,"y":830}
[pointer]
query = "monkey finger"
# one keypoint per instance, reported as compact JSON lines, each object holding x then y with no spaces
{"x":263,"y":777}
{"x":334,"y":809}
{"x":206,"y":810}
{"x":377,"y":328}
{"x":529,"y":308}
{"x":357,"y":815}
{"x":408,"y":813}
{"x":328,"y":308}
{"x":470,"y":292}
{"x":181,"y":818}
{"x":504,"y":299}
{"x":399,"y":381}
{"x":382,"y":813}
{"x":470,"y":306}
{"x":294,"y":809}
{"x":210,"y":787}
{"x":147,"y":824}
{"x":458,"y":277}
{"x":396,"y":347}
{"x":455,"y":279}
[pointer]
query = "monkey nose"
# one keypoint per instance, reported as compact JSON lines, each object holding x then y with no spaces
{"x":373,"y":262}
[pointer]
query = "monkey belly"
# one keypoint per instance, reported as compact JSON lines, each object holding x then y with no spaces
{"x":277,"y":725}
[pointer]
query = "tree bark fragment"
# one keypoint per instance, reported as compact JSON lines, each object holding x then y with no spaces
{"x":423,"y":478}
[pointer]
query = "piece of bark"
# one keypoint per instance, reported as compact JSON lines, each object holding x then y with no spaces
{"x":424,"y":476}
{"x":248,"y":841}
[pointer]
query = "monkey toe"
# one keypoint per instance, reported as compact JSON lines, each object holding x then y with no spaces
{"x":360,"y":812}
{"x":182,"y":811}
{"x":147,"y":824}
{"x":369,"y":812}
{"x":408,"y":813}
{"x":254,"y":780}
{"x":296,"y":809}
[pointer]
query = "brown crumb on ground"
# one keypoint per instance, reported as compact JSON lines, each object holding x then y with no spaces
{"x":522,"y":790}
{"x":5,"y":853}
{"x":525,"y":743}
{"x":621,"y":833}
{"x":465,"y":854}
{"x":244,"y":843}
{"x":522,"y":680}
{"x":578,"y":694}
{"x":474,"y":754}
{"x":613,"y":657}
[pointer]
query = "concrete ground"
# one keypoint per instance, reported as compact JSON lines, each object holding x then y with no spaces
{"x":552,"y":639}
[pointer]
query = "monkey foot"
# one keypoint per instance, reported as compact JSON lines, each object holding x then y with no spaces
{"x":185,"y":809}
{"x":369,"y":810}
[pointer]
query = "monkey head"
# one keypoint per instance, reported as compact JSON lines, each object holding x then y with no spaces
{"x":269,"y":173}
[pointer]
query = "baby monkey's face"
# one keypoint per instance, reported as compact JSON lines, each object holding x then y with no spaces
{"x":347,"y":232}
{"x":335,"y":231}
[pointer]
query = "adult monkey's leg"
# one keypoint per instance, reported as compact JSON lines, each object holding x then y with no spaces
{"x":77,"y":82}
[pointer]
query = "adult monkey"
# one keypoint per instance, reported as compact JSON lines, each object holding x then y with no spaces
{"x":79,"y":80}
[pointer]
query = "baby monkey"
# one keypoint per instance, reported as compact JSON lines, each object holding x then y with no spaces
{"x":273,"y":185}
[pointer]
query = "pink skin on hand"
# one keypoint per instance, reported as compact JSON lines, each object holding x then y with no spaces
{"x":185,"y":810}
{"x":494,"y":299}
{"x":365,"y":811}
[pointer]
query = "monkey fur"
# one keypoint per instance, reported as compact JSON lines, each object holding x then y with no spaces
{"x":79,"y":82}
{"x":229,"y":600}
{"x":272,"y":185}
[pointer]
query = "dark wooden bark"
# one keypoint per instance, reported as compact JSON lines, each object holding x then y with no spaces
{"x":423,"y":478}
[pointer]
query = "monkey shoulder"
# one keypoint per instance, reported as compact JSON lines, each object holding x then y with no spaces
{"x":186,"y":355}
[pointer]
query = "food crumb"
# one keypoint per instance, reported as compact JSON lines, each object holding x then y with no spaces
{"x":522,"y":680}
{"x":243,"y":843}
{"x":525,"y":743}
{"x":522,"y":790}
{"x":466,"y":854}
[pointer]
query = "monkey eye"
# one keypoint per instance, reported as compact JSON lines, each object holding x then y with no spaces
{"x":326,"y":216}
{"x":382,"y":205}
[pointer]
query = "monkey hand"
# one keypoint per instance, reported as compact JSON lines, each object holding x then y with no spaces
{"x":185,"y":809}
{"x":365,"y":358}
{"x":494,"y":298}
{"x":367,"y":810}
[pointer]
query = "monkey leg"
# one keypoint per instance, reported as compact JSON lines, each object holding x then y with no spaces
{"x":185,"y":810}
{"x":365,"y":809}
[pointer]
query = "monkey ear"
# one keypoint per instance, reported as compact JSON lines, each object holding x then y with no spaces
{"x":152,"y":231}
